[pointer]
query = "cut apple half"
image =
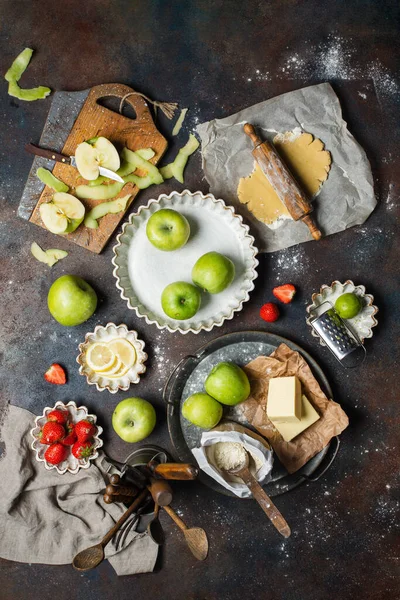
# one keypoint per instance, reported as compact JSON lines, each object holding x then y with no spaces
{"x":100,"y":153}
{"x":63,"y":214}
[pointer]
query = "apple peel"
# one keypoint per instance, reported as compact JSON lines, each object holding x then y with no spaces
{"x":137,"y":161}
{"x":177,"y":167}
{"x":101,"y":210}
{"x":15,"y":73}
{"x":51,"y":180}
{"x":49,"y":257}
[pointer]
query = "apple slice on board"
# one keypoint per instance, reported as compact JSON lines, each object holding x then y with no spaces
{"x":100,"y":153}
{"x":63,"y":214}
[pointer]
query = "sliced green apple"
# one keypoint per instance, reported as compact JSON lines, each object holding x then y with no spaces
{"x":100,"y":153}
{"x":108,"y":156}
{"x":63,"y":214}
{"x":86,"y":161}
{"x":106,"y":208}
{"x":49,"y":257}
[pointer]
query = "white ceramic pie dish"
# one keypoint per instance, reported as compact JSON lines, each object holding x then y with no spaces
{"x":142,"y":271}
{"x":71,"y":464}
{"x":106,"y":334}
{"x":362,"y":323}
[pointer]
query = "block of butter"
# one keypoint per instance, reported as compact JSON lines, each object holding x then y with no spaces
{"x":309,"y":416}
{"x":284,"y":400}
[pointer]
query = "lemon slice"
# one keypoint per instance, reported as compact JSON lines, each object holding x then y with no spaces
{"x":100,"y":357}
{"x":124,"y":350}
{"x":122,"y":371}
{"x":115,"y":368}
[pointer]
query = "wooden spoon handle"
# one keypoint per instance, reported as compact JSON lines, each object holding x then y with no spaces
{"x":124,"y":517}
{"x":175,"y":517}
{"x":177,"y":471}
{"x":266,"y":503}
{"x":160,"y":491}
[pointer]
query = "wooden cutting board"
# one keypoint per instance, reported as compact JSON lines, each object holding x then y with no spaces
{"x":96,"y":120}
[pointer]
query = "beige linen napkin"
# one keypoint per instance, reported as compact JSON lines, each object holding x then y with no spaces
{"x":48,"y":518}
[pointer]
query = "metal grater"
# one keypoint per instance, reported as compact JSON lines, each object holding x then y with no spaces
{"x":339,"y":338}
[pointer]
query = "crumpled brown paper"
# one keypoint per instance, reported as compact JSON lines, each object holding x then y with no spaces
{"x":333,"y":420}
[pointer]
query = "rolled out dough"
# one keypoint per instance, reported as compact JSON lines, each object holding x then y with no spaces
{"x":310,"y":164}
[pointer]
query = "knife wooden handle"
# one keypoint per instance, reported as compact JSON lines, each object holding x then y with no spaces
{"x":282,"y":180}
{"x":175,"y":471}
{"x":37,"y":151}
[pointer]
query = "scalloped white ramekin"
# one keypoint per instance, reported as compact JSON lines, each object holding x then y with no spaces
{"x":106,"y":334}
{"x":362,"y":323}
{"x":142,"y":271}
{"x":71,"y":464}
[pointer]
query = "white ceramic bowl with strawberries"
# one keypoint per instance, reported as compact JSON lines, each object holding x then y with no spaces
{"x":89,"y":448}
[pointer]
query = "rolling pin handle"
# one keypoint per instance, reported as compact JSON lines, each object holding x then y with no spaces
{"x":251,"y":132}
{"x":315,"y":232}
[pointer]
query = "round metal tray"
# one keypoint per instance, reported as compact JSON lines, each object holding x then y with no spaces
{"x":189,"y":376}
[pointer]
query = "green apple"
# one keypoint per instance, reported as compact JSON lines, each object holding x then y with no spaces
{"x":213,"y":272}
{"x":63,"y":214}
{"x":133,"y":419}
{"x":167,"y":229}
{"x":180,"y":300}
{"x":202,"y":410}
{"x":99,"y":153}
{"x":228,"y":384}
{"x":71,"y":300}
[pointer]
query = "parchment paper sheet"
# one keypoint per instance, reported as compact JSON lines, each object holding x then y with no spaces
{"x":285,"y":362}
{"x":345,"y":199}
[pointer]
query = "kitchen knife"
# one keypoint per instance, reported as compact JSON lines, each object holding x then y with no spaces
{"x":67,"y":160}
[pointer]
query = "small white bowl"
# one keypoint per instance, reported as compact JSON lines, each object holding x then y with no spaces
{"x":362,"y":323}
{"x":71,"y":464}
{"x":106,"y":334}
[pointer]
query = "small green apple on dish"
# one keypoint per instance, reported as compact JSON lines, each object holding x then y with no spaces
{"x":167,"y":230}
{"x":100,"y":152}
{"x":180,"y":300}
{"x":228,"y":384}
{"x":63,"y":214}
{"x":133,"y":419}
{"x":202,"y":410}
{"x":71,"y":300}
{"x":213,"y":272}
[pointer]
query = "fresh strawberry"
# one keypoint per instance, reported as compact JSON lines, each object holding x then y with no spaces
{"x":82,"y":449}
{"x":85,"y":430}
{"x":56,"y":375}
{"x":285,"y":292}
{"x":56,"y":453}
{"x":51,"y":432}
{"x":269,"y":312}
{"x":70,"y":437}
{"x":59,"y":416}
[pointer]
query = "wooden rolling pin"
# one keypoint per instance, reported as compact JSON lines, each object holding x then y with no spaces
{"x":174,"y":471}
{"x":285,"y":185}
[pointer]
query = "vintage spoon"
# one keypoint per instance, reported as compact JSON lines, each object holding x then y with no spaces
{"x":154,"y":528}
{"x":93,"y":556}
{"x":259,"y":494}
{"x":196,"y":538}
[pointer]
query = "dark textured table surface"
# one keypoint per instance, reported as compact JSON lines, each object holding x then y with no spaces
{"x":218,"y":57}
